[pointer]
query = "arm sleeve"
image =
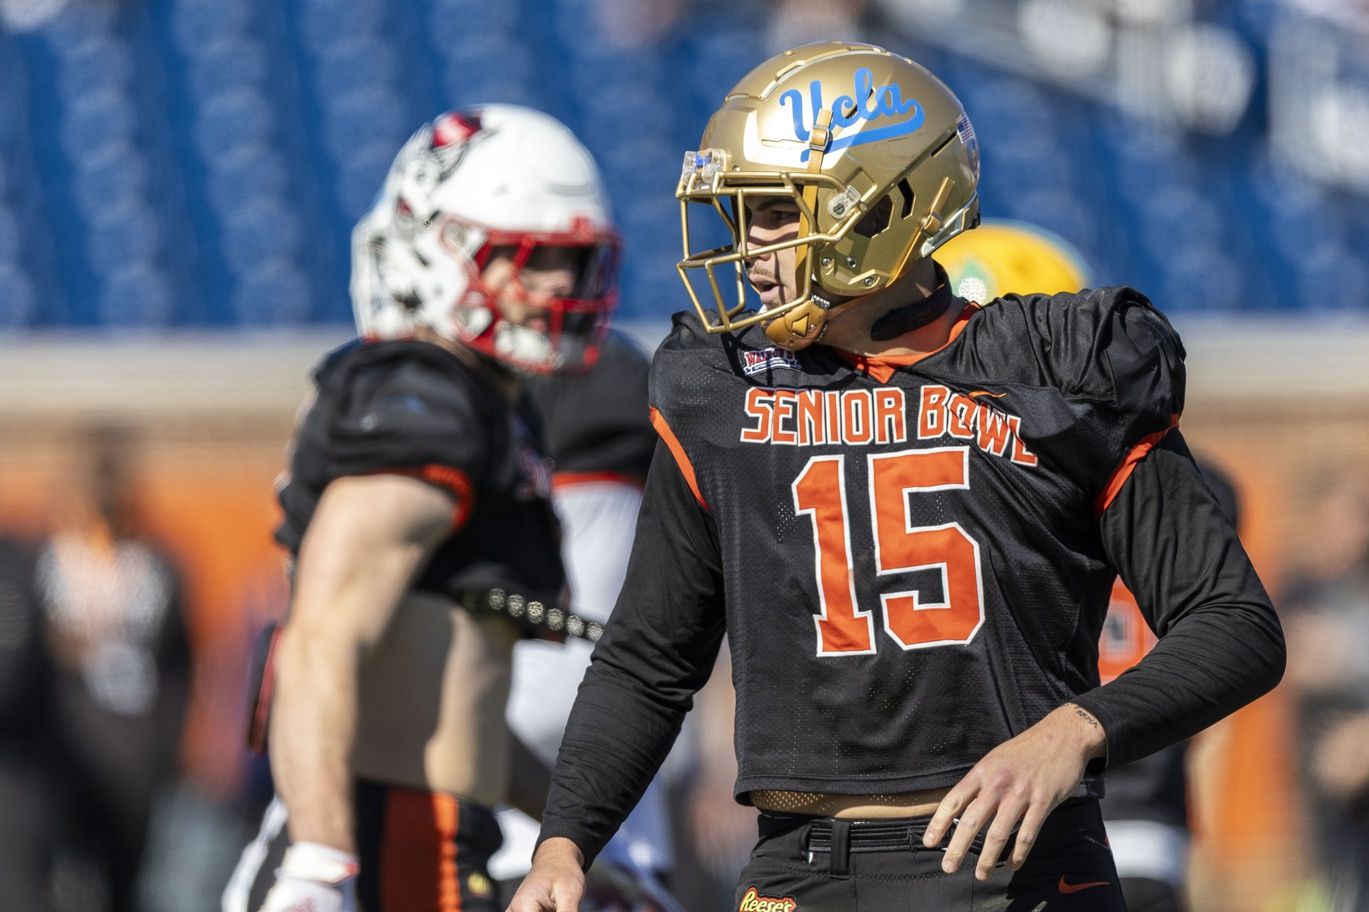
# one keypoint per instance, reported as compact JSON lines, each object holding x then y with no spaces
{"x":1220,"y":644}
{"x":657,"y":651}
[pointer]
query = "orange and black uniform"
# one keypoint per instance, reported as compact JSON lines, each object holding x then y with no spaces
{"x":420,"y":851}
{"x":594,"y":424}
{"x":413,"y":408}
{"x":912,"y":563}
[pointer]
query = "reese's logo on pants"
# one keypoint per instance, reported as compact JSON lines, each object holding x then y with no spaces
{"x":753,"y":901}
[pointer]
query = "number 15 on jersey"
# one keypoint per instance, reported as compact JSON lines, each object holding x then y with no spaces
{"x":843,"y":628}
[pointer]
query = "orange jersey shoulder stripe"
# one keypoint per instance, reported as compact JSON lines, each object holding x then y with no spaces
{"x":1123,"y":471}
{"x":677,"y":450}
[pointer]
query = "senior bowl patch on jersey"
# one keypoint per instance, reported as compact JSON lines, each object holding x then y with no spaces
{"x":764,"y":359}
{"x":753,"y":901}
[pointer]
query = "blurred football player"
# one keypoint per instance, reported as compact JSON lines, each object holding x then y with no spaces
{"x":417,"y":511}
{"x":29,"y":759}
{"x":116,"y":626}
{"x":600,"y":441}
{"x":1146,"y":808}
{"x":907,"y":514}
{"x":1326,"y":610}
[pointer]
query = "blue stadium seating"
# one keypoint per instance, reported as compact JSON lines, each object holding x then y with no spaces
{"x":200,"y":163}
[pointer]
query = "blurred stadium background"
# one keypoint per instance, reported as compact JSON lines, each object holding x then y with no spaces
{"x":178,"y":180}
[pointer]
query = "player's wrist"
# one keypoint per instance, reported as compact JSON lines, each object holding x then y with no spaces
{"x":559,"y":850}
{"x":1092,"y":739}
{"x":319,"y":863}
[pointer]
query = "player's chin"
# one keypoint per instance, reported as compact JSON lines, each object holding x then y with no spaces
{"x":772,"y":295}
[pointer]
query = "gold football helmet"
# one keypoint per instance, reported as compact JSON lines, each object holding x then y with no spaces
{"x":1002,"y":256}
{"x":874,"y":150}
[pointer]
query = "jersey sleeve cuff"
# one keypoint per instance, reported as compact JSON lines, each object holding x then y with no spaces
{"x":451,"y":480}
{"x":1097,"y":705}
{"x":584,"y":841}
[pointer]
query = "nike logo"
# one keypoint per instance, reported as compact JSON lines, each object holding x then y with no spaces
{"x":977,"y":393}
{"x":1068,"y":888}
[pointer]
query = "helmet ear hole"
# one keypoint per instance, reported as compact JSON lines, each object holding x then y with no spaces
{"x":905,"y":191}
{"x":877,"y":219}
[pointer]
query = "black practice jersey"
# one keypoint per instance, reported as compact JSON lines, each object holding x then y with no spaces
{"x":914,"y":558}
{"x":595,"y":423}
{"x":414,"y":408}
{"x":912,"y":563}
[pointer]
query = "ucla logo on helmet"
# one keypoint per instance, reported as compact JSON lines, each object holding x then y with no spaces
{"x":867,"y":104}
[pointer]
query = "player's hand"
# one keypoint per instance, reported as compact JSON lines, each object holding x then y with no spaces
{"x":314,"y":878}
{"x":1023,"y":779}
{"x":556,"y":881}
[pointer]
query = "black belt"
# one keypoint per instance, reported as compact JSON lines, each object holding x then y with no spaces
{"x":864,"y":835}
{"x":839,"y":839}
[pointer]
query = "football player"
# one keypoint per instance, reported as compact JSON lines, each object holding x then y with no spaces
{"x":907,"y":513}
{"x":417,"y":503}
{"x":600,"y":441}
{"x":1146,"y":808}
{"x":30,"y":756}
{"x":115,"y":624}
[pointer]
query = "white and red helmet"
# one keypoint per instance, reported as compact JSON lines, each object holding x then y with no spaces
{"x":472,"y":182}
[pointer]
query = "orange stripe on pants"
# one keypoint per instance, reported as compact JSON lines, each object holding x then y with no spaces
{"x":418,"y":865}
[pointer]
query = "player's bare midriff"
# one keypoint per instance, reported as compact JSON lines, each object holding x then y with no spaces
{"x":850,"y":807}
{"x":432,"y":701}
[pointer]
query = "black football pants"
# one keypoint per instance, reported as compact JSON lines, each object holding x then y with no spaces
{"x":1146,"y":895}
{"x":817,"y":864}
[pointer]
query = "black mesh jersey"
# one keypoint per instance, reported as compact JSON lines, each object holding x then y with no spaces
{"x":595,"y":423}
{"x":414,"y":408}
{"x":914,"y":566}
